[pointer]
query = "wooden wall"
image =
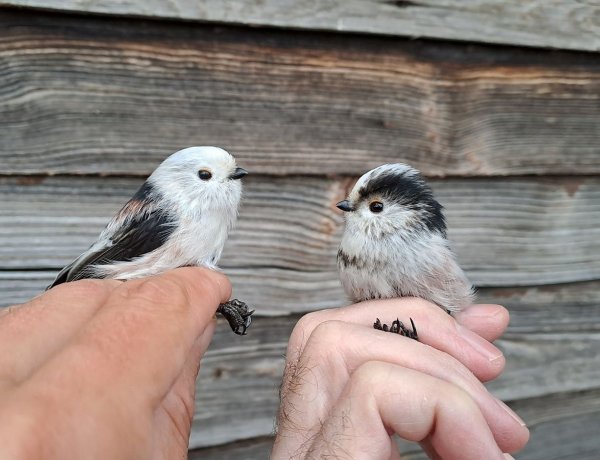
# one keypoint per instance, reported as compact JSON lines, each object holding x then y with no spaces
{"x":92,"y":98}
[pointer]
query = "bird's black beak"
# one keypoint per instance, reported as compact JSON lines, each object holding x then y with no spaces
{"x":238,"y":173}
{"x":345,"y":206}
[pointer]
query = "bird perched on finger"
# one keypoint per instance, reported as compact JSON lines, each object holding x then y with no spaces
{"x":394,"y":244}
{"x":180,"y":216}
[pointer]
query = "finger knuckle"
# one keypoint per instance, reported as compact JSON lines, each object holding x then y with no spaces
{"x":329,"y":332}
{"x":456,"y":396}
{"x":329,"y":337}
{"x":303,"y":329}
{"x":362,"y":378}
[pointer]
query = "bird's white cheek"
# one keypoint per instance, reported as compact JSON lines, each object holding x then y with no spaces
{"x":230,"y":193}
{"x":355,"y":222}
{"x":363,"y":223}
{"x":237,"y":191}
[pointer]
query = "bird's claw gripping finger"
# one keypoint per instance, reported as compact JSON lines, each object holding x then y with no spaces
{"x":237,"y":315}
{"x":398,"y":327}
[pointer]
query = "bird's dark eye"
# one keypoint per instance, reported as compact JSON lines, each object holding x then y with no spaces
{"x":204,"y":174}
{"x":376,"y":206}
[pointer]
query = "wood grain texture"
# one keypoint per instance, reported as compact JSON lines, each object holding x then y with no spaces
{"x":94,"y":95}
{"x":555,"y":23}
{"x":237,"y":392}
{"x":563,"y":426}
{"x":562,"y":308}
{"x":252,"y":449}
{"x":307,"y":112}
{"x":506,"y":233}
{"x":260,"y":449}
{"x":238,"y":385}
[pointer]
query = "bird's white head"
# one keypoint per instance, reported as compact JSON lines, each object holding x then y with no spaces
{"x":392,"y":199}
{"x":200,"y":178}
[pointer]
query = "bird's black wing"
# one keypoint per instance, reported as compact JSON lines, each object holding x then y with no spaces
{"x":139,"y":228}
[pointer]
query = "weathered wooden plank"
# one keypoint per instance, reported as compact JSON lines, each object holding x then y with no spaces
{"x":566,"y":308}
{"x":260,"y":449}
{"x":562,"y":308}
{"x":558,"y":406}
{"x":557,"y":24}
{"x":247,"y":384}
{"x":573,"y":438}
{"x":238,"y":385}
{"x":563,"y":426}
{"x":570,"y":308}
{"x":116,"y":96}
{"x":506,"y":233}
{"x":237,"y":389}
{"x":548,"y":363}
{"x":256,"y":448}
{"x":20,"y":286}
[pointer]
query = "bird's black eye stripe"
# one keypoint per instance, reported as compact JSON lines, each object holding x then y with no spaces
{"x":376,"y":206}
{"x":204,"y":174}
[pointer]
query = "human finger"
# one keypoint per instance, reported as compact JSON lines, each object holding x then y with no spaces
{"x":487,"y":320}
{"x":34,"y":331}
{"x":175,"y":414}
{"x":336,"y":349}
{"x":435,"y":328}
{"x":381,"y":398}
{"x":142,"y":336}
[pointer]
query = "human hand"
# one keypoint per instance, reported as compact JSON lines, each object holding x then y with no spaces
{"x":106,"y":369}
{"x":347,"y":387}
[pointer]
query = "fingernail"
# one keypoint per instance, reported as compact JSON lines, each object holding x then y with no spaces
{"x":485,"y":348}
{"x":509,"y":457}
{"x":512,"y":413}
{"x":482,"y":311}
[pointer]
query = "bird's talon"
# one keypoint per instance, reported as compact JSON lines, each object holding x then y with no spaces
{"x":237,"y":315}
{"x":398,"y":327}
